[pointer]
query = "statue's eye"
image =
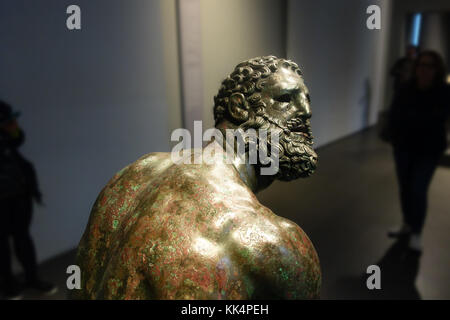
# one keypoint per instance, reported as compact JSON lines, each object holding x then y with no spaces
{"x":308,"y":97}
{"x":284,"y":98}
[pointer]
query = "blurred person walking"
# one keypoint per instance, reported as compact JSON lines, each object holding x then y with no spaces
{"x":402,"y":71}
{"x":417,"y":123}
{"x":18,"y":188}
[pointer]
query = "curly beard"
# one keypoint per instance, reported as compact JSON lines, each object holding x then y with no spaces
{"x":296,"y":157}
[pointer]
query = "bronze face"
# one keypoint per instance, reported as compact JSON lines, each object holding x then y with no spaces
{"x":286,"y":96}
{"x":288,"y":107}
{"x":267,"y":92}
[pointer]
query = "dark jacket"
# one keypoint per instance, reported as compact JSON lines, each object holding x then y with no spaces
{"x":418,"y":119}
{"x":17,"y":175}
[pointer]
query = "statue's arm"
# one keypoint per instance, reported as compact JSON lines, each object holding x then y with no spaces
{"x":289,"y":268}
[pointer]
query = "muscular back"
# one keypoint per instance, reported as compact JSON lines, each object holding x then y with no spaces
{"x":165,"y":231}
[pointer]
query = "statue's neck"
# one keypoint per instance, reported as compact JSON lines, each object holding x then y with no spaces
{"x":249,"y":173}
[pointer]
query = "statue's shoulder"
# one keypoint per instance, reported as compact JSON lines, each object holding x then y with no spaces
{"x":278,"y":250}
{"x":150,"y":163}
{"x":137,"y":173}
{"x":118,"y":197}
{"x":156,"y":181}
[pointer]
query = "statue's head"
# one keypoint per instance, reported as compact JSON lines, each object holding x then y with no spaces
{"x":269,"y":93}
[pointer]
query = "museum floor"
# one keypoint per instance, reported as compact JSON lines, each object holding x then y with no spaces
{"x":346,"y":208}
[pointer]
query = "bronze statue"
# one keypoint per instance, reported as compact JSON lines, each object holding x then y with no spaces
{"x":164,"y":230}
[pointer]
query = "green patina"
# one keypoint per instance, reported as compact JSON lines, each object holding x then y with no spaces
{"x":284,"y":274}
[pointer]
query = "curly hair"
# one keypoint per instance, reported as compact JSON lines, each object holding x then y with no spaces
{"x":248,"y":79}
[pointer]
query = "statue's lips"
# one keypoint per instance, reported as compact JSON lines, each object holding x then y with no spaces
{"x":299,"y":126}
{"x":307,"y":135}
{"x":304,"y":132}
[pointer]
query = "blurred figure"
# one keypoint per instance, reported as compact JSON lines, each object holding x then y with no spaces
{"x":402,"y":71}
{"x":418,"y":115}
{"x":18,"y":187}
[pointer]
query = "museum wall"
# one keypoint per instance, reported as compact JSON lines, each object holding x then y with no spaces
{"x":344,"y":63}
{"x":92,"y":100}
{"x":172,"y":83}
{"x":434,"y":33}
{"x":233,"y":31}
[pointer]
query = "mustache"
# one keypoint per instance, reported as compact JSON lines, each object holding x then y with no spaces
{"x":300,"y":129}
{"x":299,"y":125}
